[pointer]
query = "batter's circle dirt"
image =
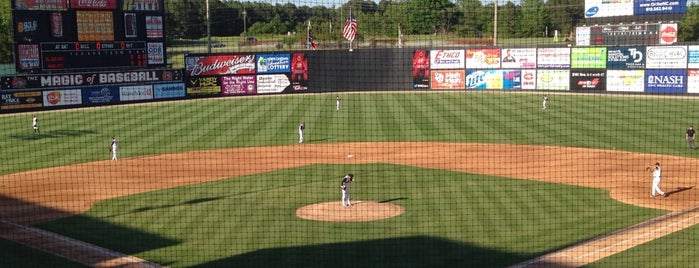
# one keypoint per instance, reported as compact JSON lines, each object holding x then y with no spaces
{"x":360,"y":211}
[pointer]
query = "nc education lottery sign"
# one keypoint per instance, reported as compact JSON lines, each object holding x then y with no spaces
{"x":273,"y":63}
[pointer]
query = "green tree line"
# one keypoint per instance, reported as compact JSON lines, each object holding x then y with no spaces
{"x":187,"y":19}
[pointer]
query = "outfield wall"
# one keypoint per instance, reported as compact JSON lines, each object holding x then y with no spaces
{"x":627,"y":69}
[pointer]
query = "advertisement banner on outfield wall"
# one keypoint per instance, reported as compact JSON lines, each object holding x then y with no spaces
{"x":553,"y":57}
{"x":693,"y":57}
{"x":203,"y":86}
{"x":518,"y":58}
{"x":692,"y":81}
{"x":479,"y":58}
{"x":299,"y":75}
{"x":588,"y":57}
{"x":447,"y":59}
{"x":666,"y":57}
{"x":20,"y":100}
{"x":588,"y":80}
{"x":238,"y":85}
{"x":100,"y":95}
{"x":552,"y":79}
{"x":483,"y":79}
{"x":272,"y":83}
{"x":606,"y":8}
{"x":511,"y":79}
{"x":169,"y":91}
{"x":654,"y":7}
{"x":41,"y":4}
{"x":666,"y":81}
{"x":136,"y":93}
{"x":62,"y":97}
{"x":582,"y":36}
{"x":89,"y":79}
{"x":447,"y":79}
{"x":421,"y":69}
{"x":273,"y":63}
{"x":209,"y":65}
{"x":625,"y":80}
{"x":632,"y":57}
{"x":528,"y":79}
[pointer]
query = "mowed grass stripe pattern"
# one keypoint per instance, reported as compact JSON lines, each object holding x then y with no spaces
{"x":626,"y":123}
{"x":451,"y":219}
{"x":452,"y":212}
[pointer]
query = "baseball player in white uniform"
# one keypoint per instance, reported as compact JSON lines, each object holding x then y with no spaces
{"x":302,"y":127}
{"x":657,"y":172}
{"x":345,"y":187}
{"x":35,"y":124}
{"x":337,"y":103}
{"x":113,"y":148}
{"x":545,"y":102}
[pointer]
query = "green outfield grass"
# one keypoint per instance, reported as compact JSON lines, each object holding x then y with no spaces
{"x":452,"y":219}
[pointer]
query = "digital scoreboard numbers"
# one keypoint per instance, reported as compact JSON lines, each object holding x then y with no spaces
{"x":78,"y":35}
{"x":82,"y":55}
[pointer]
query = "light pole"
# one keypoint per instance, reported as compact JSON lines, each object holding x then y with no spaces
{"x":245,"y":22}
{"x":495,"y":24}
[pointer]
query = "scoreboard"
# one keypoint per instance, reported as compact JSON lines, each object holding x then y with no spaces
{"x":79,"y":35}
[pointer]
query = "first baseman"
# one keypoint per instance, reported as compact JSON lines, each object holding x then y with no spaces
{"x":113,"y":148}
{"x":345,"y":187}
{"x":657,"y":172}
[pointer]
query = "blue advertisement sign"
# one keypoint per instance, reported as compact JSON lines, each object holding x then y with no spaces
{"x":626,"y":57}
{"x":652,"y":7}
{"x":511,"y":79}
{"x":273,"y":63}
{"x":666,"y":81}
{"x":100,"y":95}
{"x":167,"y":91}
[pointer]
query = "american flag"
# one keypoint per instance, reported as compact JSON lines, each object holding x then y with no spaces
{"x":350,"y":29}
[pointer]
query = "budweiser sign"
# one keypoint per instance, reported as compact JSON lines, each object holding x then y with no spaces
{"x":219,"y":65}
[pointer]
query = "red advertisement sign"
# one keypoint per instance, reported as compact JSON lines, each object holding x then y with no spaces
{"x":220,"y":64}
{"x":41,"y":4}
{"x":93,"y":4}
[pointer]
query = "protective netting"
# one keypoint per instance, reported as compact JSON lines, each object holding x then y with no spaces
{"x":349,"y":134}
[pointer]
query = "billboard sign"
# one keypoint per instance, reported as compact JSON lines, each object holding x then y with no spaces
{"x":666,"y":81}
{"x":625,"y":80}
{"x":632,"y":57}
{"x":448,"y":79}
{"x":447,"y":59}
{"x":666,"y":57}
{"x":207,"y":65}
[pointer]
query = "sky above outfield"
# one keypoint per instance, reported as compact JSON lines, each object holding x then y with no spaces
{"x":337,"y":3}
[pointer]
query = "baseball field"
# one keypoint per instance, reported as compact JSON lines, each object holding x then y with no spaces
{"x":443,"y":179}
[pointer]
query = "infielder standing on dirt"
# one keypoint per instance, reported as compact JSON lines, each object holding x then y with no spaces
{"x":345,"y":187}
{"x":690,"y":136}
{"x":302,"y":127}
{"x":657,"y":172}
{"x":113,"y":148}
{"x":35,"y":124}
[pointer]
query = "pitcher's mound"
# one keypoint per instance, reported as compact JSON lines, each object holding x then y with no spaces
{"x":360,"y":211}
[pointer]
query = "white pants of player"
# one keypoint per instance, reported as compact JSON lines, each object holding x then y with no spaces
{"x":337,"y":105}
{"x":346,"y":198}
{"x":300,"y":136}
{"x":114,"y":153}
{"x":656,"y":188}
